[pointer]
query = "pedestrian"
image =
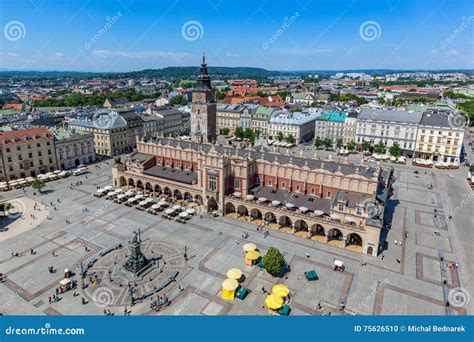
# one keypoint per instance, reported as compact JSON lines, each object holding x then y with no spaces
{"x":49,"y":299}
{"x":307,"y":255}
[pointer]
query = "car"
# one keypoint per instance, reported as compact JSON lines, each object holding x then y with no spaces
{"x":80,"y":171}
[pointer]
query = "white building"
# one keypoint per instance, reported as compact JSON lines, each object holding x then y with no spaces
{"x":299,"y":125}
{"x":440,"y":136}
{"x":388,"y":127}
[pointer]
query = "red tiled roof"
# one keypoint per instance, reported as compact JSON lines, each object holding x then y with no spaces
{"x":24,"y":135}
{"x":17,"y":106}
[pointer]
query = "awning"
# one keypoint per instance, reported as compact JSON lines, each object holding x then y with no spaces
{"x":289,"y":205}
{"x":335,"y":216}
{"x":338,"y":263}
{"x":169,"y":211}
{"x":274,"y":302}
{"x":230,"y":284}
{"x":252,"y":255}
{"x":234,"y":273}
{"x":130,"y":200}
{"x":177,"y":207}
{"x":155,"y":206}
{"x":121,"y":196}
{"x":249,"y":247}
{"x":100,"y":191}
{"x":319,"y":212}
{"x":190,"y":211}
{"x":276,"y":203}
{"x":237,"y":194}
{"x":108,"y":188}
{"x":250,"y":197}
{"x":350,"y":219}
{"x":303,"y":209}
{"x":262,"y":199}
{"x":118,"y":191}
{"x":183,"y":214}
{"x":142,"y":203}
{"x":280,"y":290}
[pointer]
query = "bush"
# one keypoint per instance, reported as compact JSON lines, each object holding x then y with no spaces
{"x":273,"y":261}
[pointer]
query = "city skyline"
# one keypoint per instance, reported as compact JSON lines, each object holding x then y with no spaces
{"x":312,"y":35}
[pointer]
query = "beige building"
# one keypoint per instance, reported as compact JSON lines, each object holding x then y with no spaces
{"x":228,"y":116}
{"x":111,"y":137}
{"x":73,"y":148}
{"x":340,"y":204}
{"x":26,"y":153}
{"x":440,"y":136}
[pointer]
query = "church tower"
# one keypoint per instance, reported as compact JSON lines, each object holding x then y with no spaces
{"x":203,"y":108}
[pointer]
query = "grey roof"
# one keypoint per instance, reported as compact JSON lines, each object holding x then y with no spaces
{"x":299,"y":200}
{"x":443,"y":119}
{"x":350,"y":198}
{"x":389,"y":115}
{"x":141,"y":157}
{"x":264,"y":153}
{"x":176,"y":175}
{"x":107,"y":120}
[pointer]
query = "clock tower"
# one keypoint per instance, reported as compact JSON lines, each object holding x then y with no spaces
{"x":203,"y":108}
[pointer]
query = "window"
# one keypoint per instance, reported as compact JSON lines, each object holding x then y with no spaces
{"x":359,"y":211}
{"x":341,"y":207}
{"x":269,"y":182}
{"x":283,"y":185}
{"x":328,"y":195}
{"x":212,"y":183}
{"x":236,"y":183}
{"x":297,"y":188}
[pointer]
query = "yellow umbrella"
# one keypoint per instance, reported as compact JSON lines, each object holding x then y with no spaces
{"x":234,"y":273}
{"x":274,"y":302}
{"x":249,"y":247}
{"x":280,"y":290}
{"x":252,"y":255}
{"x":230,"y":284}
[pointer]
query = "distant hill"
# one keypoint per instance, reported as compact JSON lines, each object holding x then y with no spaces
{"x":168,"y":72}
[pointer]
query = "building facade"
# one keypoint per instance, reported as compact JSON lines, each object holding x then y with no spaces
{"x":109,"y":130}
{"x":330,"y":125}
{"x":388,"y":127}
{"x":26,"y":153}
{"x":73,"y":148}
{"x":296,"y":124}
{"x":340,"y":204}
{"x":349,"y":128}
{"x":440,"y":136}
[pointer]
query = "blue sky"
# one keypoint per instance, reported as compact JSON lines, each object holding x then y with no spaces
{"x":124,"y":35}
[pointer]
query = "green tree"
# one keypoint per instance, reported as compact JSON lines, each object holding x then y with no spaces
{"x":280,"y":136}
{"x":38,"y":184}
{"x":327,"y":143}
{"x":239,"y":132}
{"x":273,"y":261}
{"x":395,"y":150}
{"x":318,"y":142}
{"x":220,"y":95}
{"x":379,"y":148}
{"x":339,"y":143}
{"x":351,"y":146}
{"x":290,"y":139}
{"x":178,"y":100}
{"x":224,"y":131}
{"x":366,"y":145}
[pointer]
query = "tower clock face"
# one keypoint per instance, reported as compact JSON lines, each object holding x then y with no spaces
{"x":198,"y":96}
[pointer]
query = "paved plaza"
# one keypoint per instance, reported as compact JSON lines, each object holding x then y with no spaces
{"x":405,"y":279}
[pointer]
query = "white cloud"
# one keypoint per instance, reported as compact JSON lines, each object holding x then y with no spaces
{"x":140,"y":54}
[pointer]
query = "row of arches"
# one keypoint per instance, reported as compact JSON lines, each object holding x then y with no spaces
{"x":284,"y":221}
{"x":159,"y":190}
